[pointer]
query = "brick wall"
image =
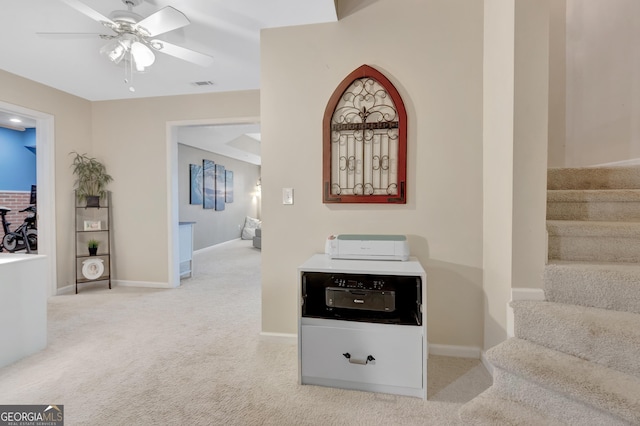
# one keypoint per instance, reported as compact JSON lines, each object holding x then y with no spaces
{"x":16,"y":201}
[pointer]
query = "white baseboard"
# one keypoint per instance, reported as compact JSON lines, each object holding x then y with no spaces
{"x":145,"y":284}
{"x":68,"y":289}
{"x":454,"y":351}
{"x":206,"y":249}
{"x":623,"y":163}
{"x":284,"y":337}
{"x":527,"y":294}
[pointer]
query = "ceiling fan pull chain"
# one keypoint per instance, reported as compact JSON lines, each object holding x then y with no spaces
{"x":129,"y":80}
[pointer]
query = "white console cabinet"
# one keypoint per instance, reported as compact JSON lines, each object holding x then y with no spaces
{"x":352,"y":351}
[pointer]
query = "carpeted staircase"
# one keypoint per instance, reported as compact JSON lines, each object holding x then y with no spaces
{"x":575,"y":357}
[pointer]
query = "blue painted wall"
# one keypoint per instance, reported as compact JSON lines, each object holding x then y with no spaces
{"x":17,"y":159}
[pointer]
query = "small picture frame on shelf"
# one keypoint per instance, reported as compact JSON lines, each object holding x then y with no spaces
{"x":92,"y":225}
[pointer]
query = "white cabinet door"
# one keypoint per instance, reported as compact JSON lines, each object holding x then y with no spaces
{"x":396,"y":352}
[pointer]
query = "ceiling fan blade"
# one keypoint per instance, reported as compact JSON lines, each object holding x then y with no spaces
{"x":164,"y":20}
{"x":182,"y":53}
{"x":91,"y":13}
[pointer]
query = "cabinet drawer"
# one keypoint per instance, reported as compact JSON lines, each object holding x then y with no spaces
{"x":396,"y":351}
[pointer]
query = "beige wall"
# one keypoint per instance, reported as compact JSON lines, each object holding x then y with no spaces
{"x":130,"y":136}
{"x":432,"y":52}
{"x":557,"y":83}
{"x":603,"y":82}
{"x":72,"y":132}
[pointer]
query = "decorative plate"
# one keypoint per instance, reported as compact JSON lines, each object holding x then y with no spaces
{"x":92,"y":268}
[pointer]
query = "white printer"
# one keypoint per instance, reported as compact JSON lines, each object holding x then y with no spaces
{"x":367,"y":247}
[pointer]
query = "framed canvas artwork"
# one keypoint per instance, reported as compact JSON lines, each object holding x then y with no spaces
{"x":209,"y":181}
{"x":228,"y":186}
{"x":195,"y":184}
{"x":220,"y":186}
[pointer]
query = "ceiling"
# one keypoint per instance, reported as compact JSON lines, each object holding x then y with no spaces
{"x":7,"y":120}
{"x":227,"y":30}
{"x":239,"y":141}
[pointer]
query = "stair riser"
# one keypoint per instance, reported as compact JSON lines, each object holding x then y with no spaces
{"x":605,"y":211}
{"x":556,"y":405}
{"x":594,"y":178}
{"x":609,"y":339}
{"x":594,"y":249}
{"x":606,"y":289}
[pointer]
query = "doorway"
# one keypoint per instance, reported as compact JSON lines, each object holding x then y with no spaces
{"x":172,"y":189}
{"x":45,"y":181}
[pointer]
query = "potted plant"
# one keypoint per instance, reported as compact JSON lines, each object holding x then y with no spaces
{"x":93,"y":247}
{"x":91,"y":179}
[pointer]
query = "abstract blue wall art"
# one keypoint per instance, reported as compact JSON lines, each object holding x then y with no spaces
{"x":209,"y":180}
{"x":195,"y":183}
{"x":220,"y":183}
{"x":228,"y":186}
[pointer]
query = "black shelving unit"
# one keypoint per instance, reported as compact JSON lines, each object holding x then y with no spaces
{"x":93,"y":223}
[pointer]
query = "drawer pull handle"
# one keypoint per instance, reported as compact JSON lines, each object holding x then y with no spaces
{"x":358,"y":361}
{"x":358,"y":301}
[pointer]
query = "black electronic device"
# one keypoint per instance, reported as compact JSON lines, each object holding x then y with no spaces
{"x":362,"y":297}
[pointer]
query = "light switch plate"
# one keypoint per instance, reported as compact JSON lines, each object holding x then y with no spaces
{"x":287,"y":195}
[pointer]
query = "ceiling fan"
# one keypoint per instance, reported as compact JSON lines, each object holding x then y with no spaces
{"x":132,"y":42}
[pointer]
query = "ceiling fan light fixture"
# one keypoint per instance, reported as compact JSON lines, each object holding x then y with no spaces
{"x":115,"y":51}
{"x":142,"y":55}
{"x":131,"y":45}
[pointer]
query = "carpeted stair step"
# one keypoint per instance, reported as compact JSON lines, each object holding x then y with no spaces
{"x":490,"y":408}
{"x":602,"y":205}
{"x":600,"y":285}
{"x":594,"y":178}
{"x":566,"y":388}
{"x":594,"y":241}
{"x":609,"y":338}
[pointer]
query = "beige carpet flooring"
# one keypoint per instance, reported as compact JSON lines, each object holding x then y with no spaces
{"x":193,"y":356}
